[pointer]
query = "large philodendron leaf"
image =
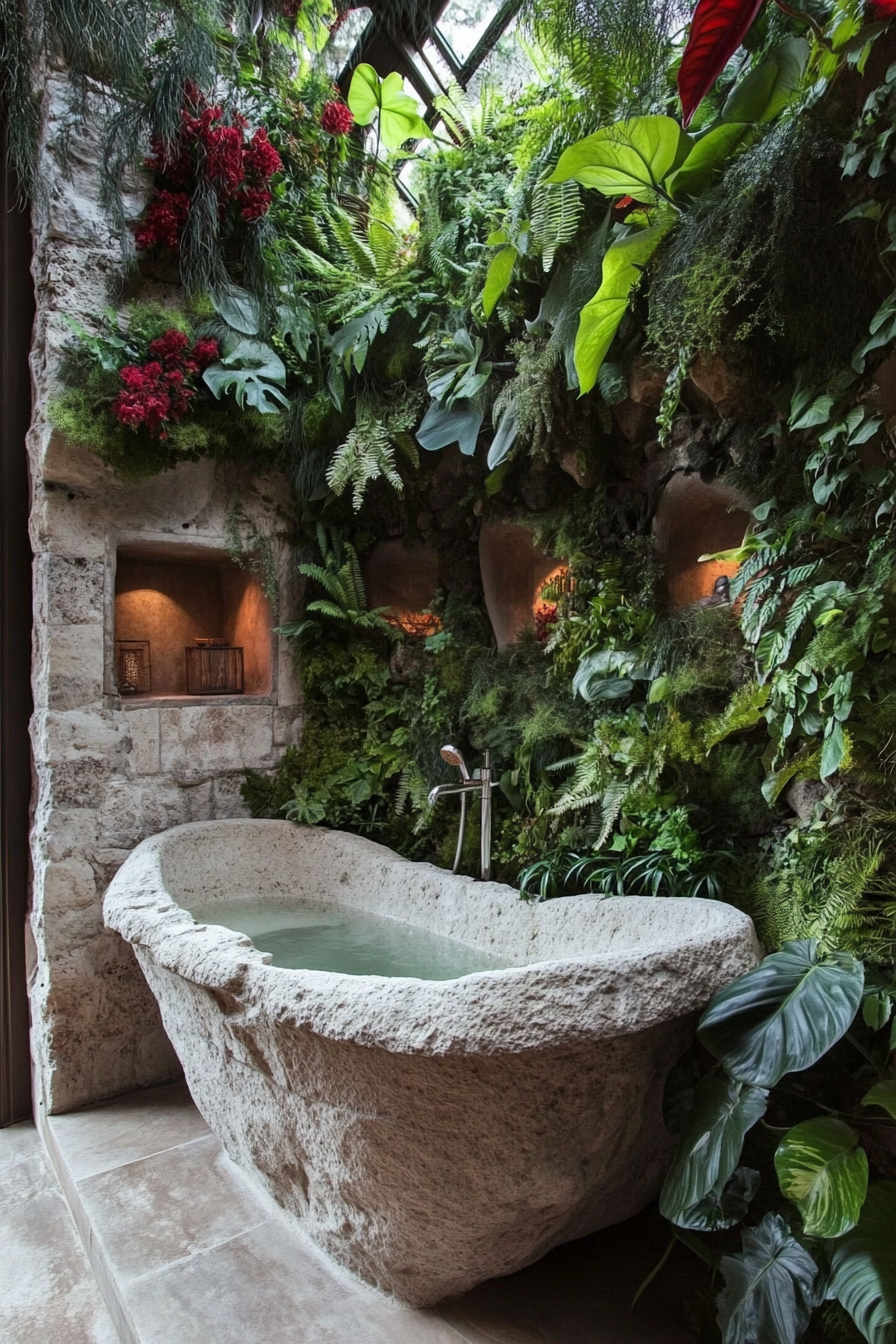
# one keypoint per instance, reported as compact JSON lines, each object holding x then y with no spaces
{"x":498,"y":277}
{"x":623,"y":266}
{"x":783,"y":1015}
{"x":629,"y":159}
{"x":863,"y":1266}
{"x":709,"y":1146}
{"x":769,"y":1286}
{"x":824,"y":1171}
{"x":399,"y":118}
{"x":774,"y":83}
{"x":708,"y":157}
{"x":717,"y":30}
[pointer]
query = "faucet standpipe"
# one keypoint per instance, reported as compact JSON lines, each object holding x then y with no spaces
{"x":481,"y":783}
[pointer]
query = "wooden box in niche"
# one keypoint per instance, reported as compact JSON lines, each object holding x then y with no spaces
{"x":214,"y":670}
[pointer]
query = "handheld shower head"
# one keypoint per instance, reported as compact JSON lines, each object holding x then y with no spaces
{"x":454,"y":757}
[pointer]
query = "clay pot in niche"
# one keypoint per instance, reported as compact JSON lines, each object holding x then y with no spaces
{"x":404,"y":579}
{"x":694,"y":518}
{"x":513,"y":573}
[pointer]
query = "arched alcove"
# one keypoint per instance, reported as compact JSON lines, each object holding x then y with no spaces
{"x":694,"y":518}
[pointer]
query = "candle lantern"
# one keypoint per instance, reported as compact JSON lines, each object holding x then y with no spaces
{"x":214,"y":668}
{"x":133,"y":674}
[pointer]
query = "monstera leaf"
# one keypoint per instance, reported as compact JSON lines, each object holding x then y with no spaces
{"x":630,"y":158}
{"x":250,"y":371}
{"x":370,"y":97}
{"x":709,"y":1146}
{"x":863,"y":1266}
{"x":783,"y":1015}
{"x":623,"y":266}
{"x":769,"y":1287}
{"x":822,"y":1169}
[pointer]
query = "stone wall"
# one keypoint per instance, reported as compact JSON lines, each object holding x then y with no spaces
{"x":108,"y":772}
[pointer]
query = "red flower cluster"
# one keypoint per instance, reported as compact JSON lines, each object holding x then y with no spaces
{"x":336,"y":118}
{"x":545,"y":620}
{"x":238,"y":169}
{"x":158,"y":392}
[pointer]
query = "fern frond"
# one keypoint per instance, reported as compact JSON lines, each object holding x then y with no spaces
{"x":366,"y":455}
{"x":556,"y":214}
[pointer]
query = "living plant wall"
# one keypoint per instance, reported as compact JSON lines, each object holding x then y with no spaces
{"x":671,"y":250}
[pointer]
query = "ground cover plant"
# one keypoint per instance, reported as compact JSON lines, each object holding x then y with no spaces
{"x":537,"y":305}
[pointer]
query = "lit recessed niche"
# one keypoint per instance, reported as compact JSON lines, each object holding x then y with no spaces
{"x":173,"y":602}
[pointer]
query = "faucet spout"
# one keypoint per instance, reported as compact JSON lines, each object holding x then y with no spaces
{"x":481,"y":783}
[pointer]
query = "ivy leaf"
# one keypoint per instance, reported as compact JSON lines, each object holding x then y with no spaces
{"x":717,"y":30}
{"x":822,"y":1169}
{"x":458,"y":424}
{"x":710,"y":1145}
{"x":884,"y":1095}
{"x":399,"y":119}
{"x":599,"y":321}
{"x":784,"y":1014}
{"x":630,"y":158}
{"x":863,"y":1266}
{"x":498,"y":278}
{"x":769,"y":1287}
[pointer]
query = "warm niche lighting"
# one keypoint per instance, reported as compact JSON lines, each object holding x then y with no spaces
{"x":418,"y":623}
{"x":133,"y":671}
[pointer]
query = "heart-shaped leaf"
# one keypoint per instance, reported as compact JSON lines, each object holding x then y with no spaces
{"x":863,"y":1266}
{"x":710,"y":1144}
{"x":783,"y":1015}
{"x":769,"y":1287}
{"x":726,"y":1204}
{"x":599,"y":321}
{"x":768,"y":88}
{"x":709,"y":155}
{"x":399,"y":118}
{"x":717,"y":30}
{"x":822,"y":1169}
{"x":630,"y":158}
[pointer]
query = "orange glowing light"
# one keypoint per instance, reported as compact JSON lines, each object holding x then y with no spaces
{"x":417,"y":623}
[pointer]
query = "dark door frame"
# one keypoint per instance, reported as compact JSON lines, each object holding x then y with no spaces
{"x":16,"y":320}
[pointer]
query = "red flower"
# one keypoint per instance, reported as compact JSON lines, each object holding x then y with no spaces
{"x":545,"y":620}
{"x":164,"y":222}
{"x":224,"y":158}
{"x":206,"y":351}
{"x":171,"y":347}
{"x":336,"y":118}
{"x":254,"y":203}
{"x":260,"y":158}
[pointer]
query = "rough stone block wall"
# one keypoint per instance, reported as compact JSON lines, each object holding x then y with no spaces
{"x":109,"y":773}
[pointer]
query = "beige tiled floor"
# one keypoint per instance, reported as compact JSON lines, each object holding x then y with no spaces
{"x":189,"y":1252}
{"x":48,"y":1294}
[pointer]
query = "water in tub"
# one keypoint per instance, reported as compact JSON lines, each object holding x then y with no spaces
{"x":318,"y":938}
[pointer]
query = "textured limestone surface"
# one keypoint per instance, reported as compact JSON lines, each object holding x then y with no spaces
{"x":108,"y":773}
{"x":429,"y":1134}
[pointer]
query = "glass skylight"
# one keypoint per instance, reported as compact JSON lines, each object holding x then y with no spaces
{"x":464,"y":22}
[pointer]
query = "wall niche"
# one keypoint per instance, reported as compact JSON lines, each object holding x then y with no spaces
{"x":169,"y":599}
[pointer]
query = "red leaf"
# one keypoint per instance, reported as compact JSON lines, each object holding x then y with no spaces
{"x":717,"y":30}
{"x":882,"y":9}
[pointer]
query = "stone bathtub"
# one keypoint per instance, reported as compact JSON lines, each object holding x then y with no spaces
{"x":428,"y":1133}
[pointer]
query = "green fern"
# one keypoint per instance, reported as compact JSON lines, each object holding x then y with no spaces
{"x":556,"y":213}
{"x":365,"y":456}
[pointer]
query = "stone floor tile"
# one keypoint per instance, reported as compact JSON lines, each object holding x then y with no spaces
{"x":47,"y":1291}
{"x":164,"y":1208}
{"x":126,"y":1129}
{"x":268,"y":1287}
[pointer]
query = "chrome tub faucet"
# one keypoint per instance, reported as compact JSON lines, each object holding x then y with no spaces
{"x":479,"y":782}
